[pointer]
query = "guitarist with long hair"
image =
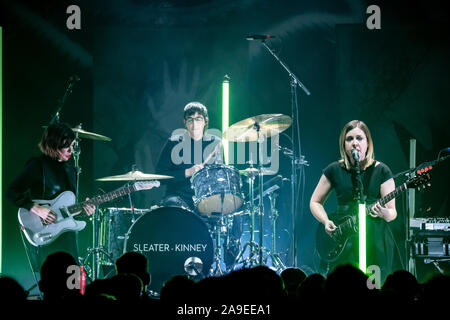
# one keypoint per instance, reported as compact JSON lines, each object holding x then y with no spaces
{"x":377,"y":182}
{"x":45,"y":177}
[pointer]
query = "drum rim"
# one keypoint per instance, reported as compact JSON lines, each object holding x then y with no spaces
{"x":210,"y":166}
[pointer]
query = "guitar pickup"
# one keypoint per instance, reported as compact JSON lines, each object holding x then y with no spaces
{"x":45,"y":236}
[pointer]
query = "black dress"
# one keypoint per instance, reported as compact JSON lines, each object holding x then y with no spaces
{"x":44,"y":178}
{"x":380,"y":249}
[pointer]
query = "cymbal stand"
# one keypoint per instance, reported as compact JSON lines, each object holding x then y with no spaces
{"x":253,"y":246}
{"x":261,"y":185}
{"x":97,"y":249}
{"x":76,"y":159}
{"x":275,"y":257}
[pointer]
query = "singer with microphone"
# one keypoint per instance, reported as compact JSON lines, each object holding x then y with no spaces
{"x":358,"y":163}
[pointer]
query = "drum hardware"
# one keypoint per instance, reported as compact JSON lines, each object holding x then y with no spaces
{"x":251,"y":244}
{"x":97,"y":251}
{"x":216,"y":269}
{"x":107,"y":238}
{"x":256,"y":129}
{"x":194,"y":267}
{"x":275,"y":257}
{"x":217,"y":189}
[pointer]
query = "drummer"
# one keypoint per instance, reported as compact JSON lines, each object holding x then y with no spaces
{"x":185,"y":153}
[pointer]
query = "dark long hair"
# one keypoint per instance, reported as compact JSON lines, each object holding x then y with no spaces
{"x":55,"y":137}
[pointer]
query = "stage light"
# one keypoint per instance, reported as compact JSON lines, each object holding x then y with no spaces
{"x":225,"y":113}
{"x":362,"y":236}
{"x":1,"y":153}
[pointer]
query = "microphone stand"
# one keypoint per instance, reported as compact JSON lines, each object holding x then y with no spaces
{"x":294,"y":82}
{"x":72,"y":80}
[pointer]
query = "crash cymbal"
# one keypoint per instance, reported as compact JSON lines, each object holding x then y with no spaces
{"x":254,"y":172}
{"x":90,"y":135}
{"x":135,"y":175}
{"x":246,"y":130}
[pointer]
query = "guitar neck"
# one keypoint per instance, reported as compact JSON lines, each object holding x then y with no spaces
{"x":391,"y":195}
{"x":102,"y":198}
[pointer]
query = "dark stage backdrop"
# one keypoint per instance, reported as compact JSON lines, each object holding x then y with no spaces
{"x":140,"y":63}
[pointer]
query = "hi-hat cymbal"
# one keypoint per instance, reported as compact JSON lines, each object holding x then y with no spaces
{"x":135,"y":176}
{"x":90,"y":135}
{"x":249,"y":172}
{"x":269,"y":125}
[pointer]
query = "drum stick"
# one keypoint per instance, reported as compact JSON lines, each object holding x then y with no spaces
{"x":216,"y":149}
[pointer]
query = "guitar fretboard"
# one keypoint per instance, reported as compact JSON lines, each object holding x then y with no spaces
{"x":102,"y":198}
{"x":392,"y":194}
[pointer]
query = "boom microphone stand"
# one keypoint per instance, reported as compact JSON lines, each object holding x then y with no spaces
{"x":294,"y":82}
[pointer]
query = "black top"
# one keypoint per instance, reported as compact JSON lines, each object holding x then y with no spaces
{"x":42,"y":178}
{"x":180,"y":153}
{"x":342,"y":181}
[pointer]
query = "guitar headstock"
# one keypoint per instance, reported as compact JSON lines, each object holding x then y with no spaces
{"x":146,"y":185}
{"x":422,"y":178}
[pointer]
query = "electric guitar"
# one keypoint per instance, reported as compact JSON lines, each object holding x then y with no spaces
{"x":38,"y":233}
{"x":330,"y":248}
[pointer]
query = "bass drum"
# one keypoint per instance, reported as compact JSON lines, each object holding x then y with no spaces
{"x":175,"y":241}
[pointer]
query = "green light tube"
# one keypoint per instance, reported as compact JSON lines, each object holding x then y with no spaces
{"x":362,"y":236}
{"x":1,"y":154}
{"x":225,"y":114}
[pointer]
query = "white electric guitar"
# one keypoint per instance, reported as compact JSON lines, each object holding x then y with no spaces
{"x":38,"y":233}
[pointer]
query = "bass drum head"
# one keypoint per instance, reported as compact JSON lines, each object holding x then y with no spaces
{"x":175,"y":242}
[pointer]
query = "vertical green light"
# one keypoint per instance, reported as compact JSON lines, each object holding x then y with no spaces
{"x":1,"y":154}
{"x":225,"y":113}
{"x":362,"y":236}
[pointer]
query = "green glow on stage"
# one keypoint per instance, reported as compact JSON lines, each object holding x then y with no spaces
{"x":1,"y":153}
{"x":225,"y":114}
{"x":362,"y":236}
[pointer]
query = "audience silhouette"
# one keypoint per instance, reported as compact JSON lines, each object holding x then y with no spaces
{"x":290,"y":291}
{"x":292,"y":278}
{"x":11,"y":291}
{"x":59,"y":278}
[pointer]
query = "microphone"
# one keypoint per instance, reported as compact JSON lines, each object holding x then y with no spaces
{"x":259,"y":37}
{"x":355,"y":155}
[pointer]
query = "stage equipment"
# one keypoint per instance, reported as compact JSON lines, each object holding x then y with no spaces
{"x":297,"y":162}
{"x":135,"y":175}
{"x":257,"y":129}
{"x":217,"y":189}
{"x":175,"y":241}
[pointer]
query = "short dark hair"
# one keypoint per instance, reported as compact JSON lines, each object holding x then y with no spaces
{"x":193,"y":107}
{"x":56,"y":136}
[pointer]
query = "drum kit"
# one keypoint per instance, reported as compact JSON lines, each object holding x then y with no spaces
{"x":179,"y":241}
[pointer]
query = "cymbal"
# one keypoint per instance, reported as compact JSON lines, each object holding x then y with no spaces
{"x":269,"y":124}
{"x":90,"y":135}
{"x":254,"y":172}
{"x":134,"y":176}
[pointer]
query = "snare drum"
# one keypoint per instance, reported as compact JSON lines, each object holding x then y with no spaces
{"x":217,"y":189}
